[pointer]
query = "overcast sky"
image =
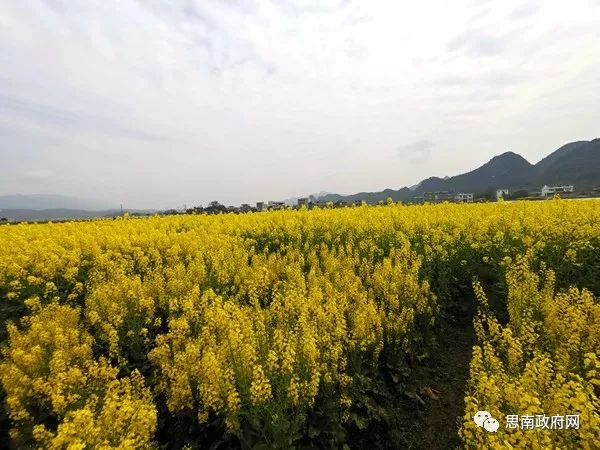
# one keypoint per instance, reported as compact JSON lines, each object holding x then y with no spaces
{"x":159,"y":103}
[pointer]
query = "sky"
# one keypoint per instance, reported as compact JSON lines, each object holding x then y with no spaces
{"x":157,"y":104}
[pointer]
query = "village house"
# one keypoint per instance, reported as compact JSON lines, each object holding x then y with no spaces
{"x":551,"y":190}
{"x":438,"y":197}
{"x":501,"y":193}
{"x":464,"y":197}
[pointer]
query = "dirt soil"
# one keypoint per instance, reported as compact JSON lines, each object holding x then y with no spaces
{"x":441,"y":385}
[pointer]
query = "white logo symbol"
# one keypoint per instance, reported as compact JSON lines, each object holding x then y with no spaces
{"x":484,"y":419}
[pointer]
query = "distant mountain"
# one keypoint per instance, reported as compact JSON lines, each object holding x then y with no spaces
{"x":45,"y":201}
{"x":294,"y":200}
{"x":372,"y":197}
{"x":577,"y":163}
{"x":321,"y":194}
{"x":554,"y":157}
{"x":30,"y":215}
{"x":507,"y":169}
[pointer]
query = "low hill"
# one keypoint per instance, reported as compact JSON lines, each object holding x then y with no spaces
{"x":577,"y":163}
{"x":31,"y":215}
{"x":49,"y":201}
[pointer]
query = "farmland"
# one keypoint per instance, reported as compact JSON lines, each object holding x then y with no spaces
{"x":294,"y":329}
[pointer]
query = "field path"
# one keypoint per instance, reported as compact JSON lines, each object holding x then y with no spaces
{"x":441,"y":385}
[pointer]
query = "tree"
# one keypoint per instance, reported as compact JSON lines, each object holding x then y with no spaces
{"x":522,"y":193}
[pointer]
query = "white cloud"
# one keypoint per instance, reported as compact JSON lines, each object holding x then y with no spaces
{"x":159,"y":103}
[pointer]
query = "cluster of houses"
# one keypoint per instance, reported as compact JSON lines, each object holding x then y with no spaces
{"x":548,"y":191}
{"x":427,"y":197}
{"x":446,"y":196}
{"x":216,"y":208}
{"x":567,"y":191}
{"x":545,"y":192}
{"x":434,"y":197}
{"x":303,"y":202}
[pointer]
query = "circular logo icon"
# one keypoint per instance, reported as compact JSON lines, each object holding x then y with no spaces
{"x":481,"y":417}
{"x":491,"y":425}
{"x":484,"y":419}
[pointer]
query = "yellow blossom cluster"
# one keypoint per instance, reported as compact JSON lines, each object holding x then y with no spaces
{"x":49,"y":374}
{"x":544,"y":362}
{"x":262,"y":318}
{"x":238,"y":357}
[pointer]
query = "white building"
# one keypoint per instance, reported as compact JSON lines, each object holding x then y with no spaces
{"x":551,"y":190}
{"x":466,"y":197}
{"x":500,"y":193}
{"x":276,"y":205}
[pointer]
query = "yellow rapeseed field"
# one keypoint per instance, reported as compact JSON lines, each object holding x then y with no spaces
{"x":252,"y":329}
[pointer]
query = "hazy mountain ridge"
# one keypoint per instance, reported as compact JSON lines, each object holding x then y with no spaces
{"x":41,"y":207}
{"x":31,"y":215}
{"x":51,"y":201}
{"x":576,"y":163}
{"x":317,"y":196}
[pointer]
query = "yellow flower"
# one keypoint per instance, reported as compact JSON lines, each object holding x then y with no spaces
{"x":260,"y":389}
